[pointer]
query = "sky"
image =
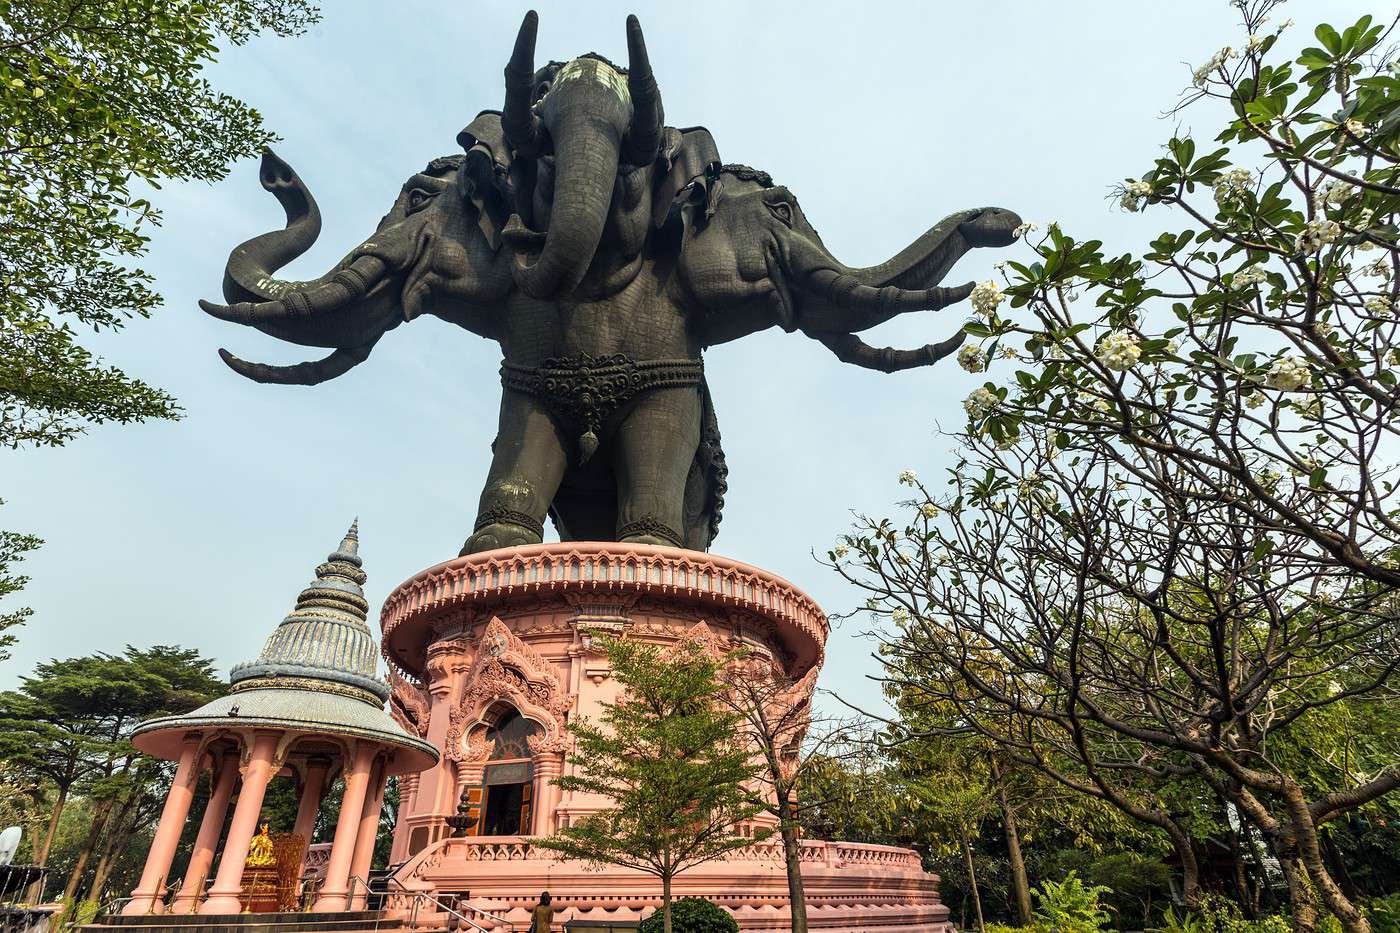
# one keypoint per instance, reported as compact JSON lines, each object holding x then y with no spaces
{"x":882,"y":117}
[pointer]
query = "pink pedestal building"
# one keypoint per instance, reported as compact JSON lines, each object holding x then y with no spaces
{"x":492,"y":656}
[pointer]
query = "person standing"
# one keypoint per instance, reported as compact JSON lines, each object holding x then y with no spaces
{"x":542,"y":918}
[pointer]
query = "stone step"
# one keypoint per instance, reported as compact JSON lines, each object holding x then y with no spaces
{"x":360,"y":921}
{"x":203,"y":919}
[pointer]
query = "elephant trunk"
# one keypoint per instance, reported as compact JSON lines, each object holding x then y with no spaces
{"x":929,"y":258}
{"x":249,"y":273}
{"x":585,"y":175}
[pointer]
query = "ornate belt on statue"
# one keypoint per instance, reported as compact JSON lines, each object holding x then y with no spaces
{"x":584,"y":390}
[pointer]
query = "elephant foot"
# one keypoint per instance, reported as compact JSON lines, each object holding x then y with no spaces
{"x":497,"y":530}
{"x":648,"y":539}
{"x":649,"y":530}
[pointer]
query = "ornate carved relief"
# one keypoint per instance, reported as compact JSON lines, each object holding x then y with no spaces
{"x":699,"y":636}
{"x":408,"y":704}
{"x":505,"y":669}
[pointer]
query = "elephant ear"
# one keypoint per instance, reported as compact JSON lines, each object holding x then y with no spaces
{"x":691,"y":156}
{"x":485,"y":178}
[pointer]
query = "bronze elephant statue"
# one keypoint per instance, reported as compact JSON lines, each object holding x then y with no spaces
{"x":604,"y":251}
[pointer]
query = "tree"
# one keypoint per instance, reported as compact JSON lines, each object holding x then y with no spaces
{"x":13,"y":547}
{"x":774,"y":715}
{"x":1171,"y":542}
{"x":853,"y":794}
{"x":67,"y":729}
{"x":99,"y":98}
{"x":669,"y":758}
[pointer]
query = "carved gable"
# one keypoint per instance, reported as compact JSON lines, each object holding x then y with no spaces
{"x":507,"y":669}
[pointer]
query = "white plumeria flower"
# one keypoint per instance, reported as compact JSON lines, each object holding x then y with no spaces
{"x":908,"y":477}
{"x":1380,"y":304}
{"x":1202,"y":74}
{"x":929,"y":510}
{"x":1378,"y":268}
{"x":1288,"y":373}
{"x":840,"y":551}
{"x":971,"y":358}
{"x":1229,"y":185}
{"x":1317,"y":234}
{"x":1023,"y":229}
{"x":986,"y":296}
{"x":1355,"y":127}
{"x":1093,"y":401}
{"x":980,"y":402}
{"x":1133,"y":193}
{"x":1310,"y":408}
{"x":1118,"y":351}
{"x":1249,"y":275}
{"x":900,"y":616}
{"x":1335,"y":192}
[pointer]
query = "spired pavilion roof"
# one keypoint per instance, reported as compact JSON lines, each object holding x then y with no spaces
{"x":315,"y":674}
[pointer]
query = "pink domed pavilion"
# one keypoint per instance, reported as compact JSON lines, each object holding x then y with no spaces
{"x":311,"y":707}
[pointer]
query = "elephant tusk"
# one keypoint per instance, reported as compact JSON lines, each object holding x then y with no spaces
{"x":648,"y":116}
{"x":305,"y":374}
{"x":846,"y":291}
{"x":848,"y":348}
{"x":349,"y":284}
{"x":519,"y":121}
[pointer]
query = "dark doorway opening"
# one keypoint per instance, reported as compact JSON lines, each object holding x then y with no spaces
{"x":505,"y":806}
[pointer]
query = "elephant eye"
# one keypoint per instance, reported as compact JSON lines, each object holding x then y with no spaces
{"x":419,"y":198}
{"x":781,"y":210}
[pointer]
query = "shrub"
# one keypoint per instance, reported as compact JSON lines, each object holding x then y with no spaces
{"x":692,"y":915}
{"x":1218,"y":914}
{"x":1384,"y":914}
{"x":1070,"y":906}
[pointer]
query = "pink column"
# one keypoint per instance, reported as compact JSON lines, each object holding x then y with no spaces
{"x":335,"y":889}
{"x":228,"y":883}
{"x":211,"y":826}
{"x":367,"y":833}
{"x":408,"y":803}
{"x":548,"y":767}
{"x":310,"y":805}
{"x":146,"y":896}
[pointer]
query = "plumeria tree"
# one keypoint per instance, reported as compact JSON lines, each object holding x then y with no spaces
{"x":1170,"y":546}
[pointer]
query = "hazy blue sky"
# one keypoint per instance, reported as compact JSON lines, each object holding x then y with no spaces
{"x":881,"y":117}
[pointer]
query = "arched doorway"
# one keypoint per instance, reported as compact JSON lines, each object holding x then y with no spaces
{"x":508,"y":777}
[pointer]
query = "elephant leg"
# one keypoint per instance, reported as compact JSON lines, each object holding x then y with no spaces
{"x":527,"y":463}
{"x":656,"y":444}
{"x":585,"y":514}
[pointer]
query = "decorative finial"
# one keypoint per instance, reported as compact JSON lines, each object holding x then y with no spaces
{"x":349,"y":550}
{"x":326,"y":637}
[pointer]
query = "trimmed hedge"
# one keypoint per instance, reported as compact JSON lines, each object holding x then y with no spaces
{"x":692,"y":915}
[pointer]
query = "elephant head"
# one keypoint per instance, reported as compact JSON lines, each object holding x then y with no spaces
{"x":585,"y":137}
{"x":750,"y":259}
{"x":428,"y":254}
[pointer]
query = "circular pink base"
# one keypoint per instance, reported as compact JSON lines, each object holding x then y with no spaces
{"x":848,"y":886}
{"x":517,"y":629}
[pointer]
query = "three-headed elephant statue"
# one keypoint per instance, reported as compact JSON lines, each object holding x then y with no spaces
{"x":604,"y":251}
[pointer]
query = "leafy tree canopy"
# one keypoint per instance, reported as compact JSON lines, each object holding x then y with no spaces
{"x":98,"y":100}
